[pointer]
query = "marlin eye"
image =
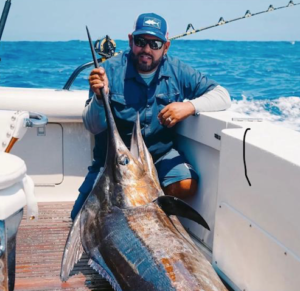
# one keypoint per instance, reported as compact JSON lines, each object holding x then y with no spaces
{"x":123,"y":160}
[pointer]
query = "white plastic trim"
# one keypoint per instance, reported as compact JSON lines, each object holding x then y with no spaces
{"x":12,"y":199}
{"x":20,"y":128}
{"x":32,"y":206}
{"x":57,"y":105}
{"x":12,"y":124}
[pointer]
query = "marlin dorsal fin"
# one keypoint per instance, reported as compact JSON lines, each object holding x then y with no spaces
{"x":139,"y":150}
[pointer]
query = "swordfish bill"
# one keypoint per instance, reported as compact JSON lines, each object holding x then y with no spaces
{"x":130,"y":239}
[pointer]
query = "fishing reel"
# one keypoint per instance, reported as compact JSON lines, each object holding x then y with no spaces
{"x":105,"y":47}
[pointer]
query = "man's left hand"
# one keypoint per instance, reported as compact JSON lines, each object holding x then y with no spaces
{"x":175,"y":112}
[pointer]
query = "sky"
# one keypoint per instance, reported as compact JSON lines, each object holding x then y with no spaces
{"x":63,"y":20}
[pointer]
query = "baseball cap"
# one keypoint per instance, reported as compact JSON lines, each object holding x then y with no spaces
{"x":151,"y":23}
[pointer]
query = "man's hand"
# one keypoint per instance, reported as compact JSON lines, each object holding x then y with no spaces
{"x":175,"y":112}
{"x":98,"y":80}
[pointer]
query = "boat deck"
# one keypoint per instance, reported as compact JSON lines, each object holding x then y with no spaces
{"x":40,"y":245}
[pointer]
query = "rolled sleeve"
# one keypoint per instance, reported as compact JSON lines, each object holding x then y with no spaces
{"x":213,"y":100}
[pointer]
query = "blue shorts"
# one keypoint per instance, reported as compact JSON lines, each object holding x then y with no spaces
{"x":173,"y":167}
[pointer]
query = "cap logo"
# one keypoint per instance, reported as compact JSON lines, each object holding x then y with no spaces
{"x":153,"y":22}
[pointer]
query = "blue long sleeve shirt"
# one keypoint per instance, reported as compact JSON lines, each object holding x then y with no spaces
{"x":174,"y":81}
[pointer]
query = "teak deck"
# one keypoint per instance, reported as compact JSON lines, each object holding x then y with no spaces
{"x":40,"y":245}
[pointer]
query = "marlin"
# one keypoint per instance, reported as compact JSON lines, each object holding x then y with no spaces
{"x":128,"y":229}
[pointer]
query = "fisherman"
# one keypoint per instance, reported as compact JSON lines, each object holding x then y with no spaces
{"x":163,"y":90}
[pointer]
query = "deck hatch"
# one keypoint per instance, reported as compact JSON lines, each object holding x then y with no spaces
{"x":43,"y":154}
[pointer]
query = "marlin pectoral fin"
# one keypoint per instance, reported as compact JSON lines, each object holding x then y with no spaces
{"x":73,"y":250}
{"x":175,"y":206}
{"x":89,"y":222}
{"x":98,"y":264}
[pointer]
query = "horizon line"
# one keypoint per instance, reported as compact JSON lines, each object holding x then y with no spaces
{"x":176,"y":40}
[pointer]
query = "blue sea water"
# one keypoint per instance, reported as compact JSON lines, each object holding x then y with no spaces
{"x":263,"y":78}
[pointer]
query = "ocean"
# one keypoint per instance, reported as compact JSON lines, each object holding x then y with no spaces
{"x":263,"y":78}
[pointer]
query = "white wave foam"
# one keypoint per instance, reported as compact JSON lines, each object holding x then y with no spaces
{"x":284,"y":111}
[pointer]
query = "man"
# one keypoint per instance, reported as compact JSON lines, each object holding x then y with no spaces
{"x":146,"y":80}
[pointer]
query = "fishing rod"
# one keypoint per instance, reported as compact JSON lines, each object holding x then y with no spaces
{"x":222,"y":21}
{"x":4,"y":16}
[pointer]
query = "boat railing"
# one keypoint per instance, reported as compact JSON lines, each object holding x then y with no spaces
{"x":75,"y":74}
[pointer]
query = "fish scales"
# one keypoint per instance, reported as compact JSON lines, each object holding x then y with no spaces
{"x":143,"y":247}
{"x":127,"y":256}
{"x":186,"y":267}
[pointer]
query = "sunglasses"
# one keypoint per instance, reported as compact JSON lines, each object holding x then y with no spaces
{"x":153,"y":43}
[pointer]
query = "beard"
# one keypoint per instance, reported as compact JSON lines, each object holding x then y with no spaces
{"x":143,"y":67}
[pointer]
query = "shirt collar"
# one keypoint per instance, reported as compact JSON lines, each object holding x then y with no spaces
{"x":131,"y":71}
{"x":164,"y":70}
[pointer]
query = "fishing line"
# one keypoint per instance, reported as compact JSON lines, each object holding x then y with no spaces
{"x":222,"y":21}
{"x":244,"y":155}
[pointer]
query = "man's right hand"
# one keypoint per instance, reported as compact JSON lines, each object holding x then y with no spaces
{"x":98,"y":80}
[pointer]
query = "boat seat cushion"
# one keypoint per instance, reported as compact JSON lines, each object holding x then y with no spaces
{"x":12,"y":170}
{"x":16,"y":188}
